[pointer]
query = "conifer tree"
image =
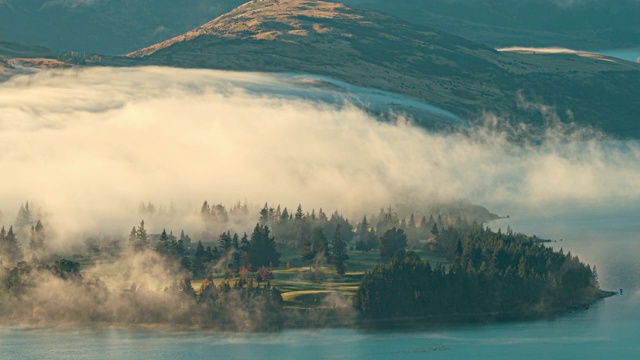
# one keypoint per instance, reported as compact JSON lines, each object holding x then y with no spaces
{"x":138,"y":238}
{"x":315,"y":246}
{"x":262,"y":248}
{"x":285,"y":216}
{"x":393,"y":240}
{"x":24,"y":216}
{"x":339,"y":251}
{"x":434,"y":230}
{"x":225,"y":242}
{"x":37,"y":241}
{"x":10,"y":249}
{"x":164,"y":246}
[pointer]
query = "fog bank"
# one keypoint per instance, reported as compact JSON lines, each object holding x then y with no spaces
{"x":87,"y":146}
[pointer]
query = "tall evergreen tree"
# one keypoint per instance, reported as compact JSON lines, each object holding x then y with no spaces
{"x":10,"y":249}
{"x":186,"y":240}
{"x":138,"y":238}
{"x":434,"y":230}
{"x":393,"y":240}
{"x":339,"y":251}
{"x":244,"y":243}
{"x":24,"y":218}
{"x":412,"y":222}
{"x":285,"y":216}
{"x":299,"y":214}
{"x":316,"y":246}
{"x":264,"y":215}
{"x":225,"y":242}
{"x":37,"y":241}
{"x":164,"y":245}
{"x":200,"y":261}
{"x":363,"y":229}
{"x":262,"y":248}
{"x":322,"y":217}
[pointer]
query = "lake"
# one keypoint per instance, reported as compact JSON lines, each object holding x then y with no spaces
{"x":607,"y":238}
{"x":631,"y":54}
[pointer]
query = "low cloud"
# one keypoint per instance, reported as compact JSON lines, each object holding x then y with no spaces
{"x":87,"y":146}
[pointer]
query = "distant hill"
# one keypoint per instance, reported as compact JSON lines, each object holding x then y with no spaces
{"x":115,"y":27}
{"x":582,"y":24}
{"x":372,"y":49}
{"x":16,"y":58}
{"x":103,"y":26}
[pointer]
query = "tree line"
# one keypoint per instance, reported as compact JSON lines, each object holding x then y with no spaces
{"x":491,"y":273}
{"x":26,"y":226}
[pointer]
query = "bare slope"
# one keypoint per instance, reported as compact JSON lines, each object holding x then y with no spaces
{"x":369,"y":48}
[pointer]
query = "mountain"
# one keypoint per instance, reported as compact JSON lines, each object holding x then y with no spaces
{"x":582,"y":24}
{"x":119,"y":26}
{"x":17,"y":58}
{"x":103,"y":26}
{"x":372,"y":49}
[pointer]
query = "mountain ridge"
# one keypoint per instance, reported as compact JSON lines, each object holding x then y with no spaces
{"x":369,"y":48}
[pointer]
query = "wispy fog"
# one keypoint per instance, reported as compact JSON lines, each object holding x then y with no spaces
{"x":87,"y":146}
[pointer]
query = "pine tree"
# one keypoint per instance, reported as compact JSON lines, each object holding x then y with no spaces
{"x":205,"y":211}
{"x":262,"y":248}
{"x":412,"y":222}
{"x":393,"y":240}
{"x":200,"y":260}
{"x":244,"y":243}
{"x":372,"y":240}
{"x":316,"y":245}
{"x":186,"y":240}
{"x":24,"y":216}
{"x":434,"y":230}
{"x":285,"y":216}
{"x":299,"y":214}
{"x":322,"y":217}
{"x":10,"y":249}
{"x":264,"y":215}
{"x":363,"y":229}
{"x":37,"y":240}
{"x":164,"y":246}
{"x":138,"y":238}
{"x":339,"y":251}
{"x":225,"y":241}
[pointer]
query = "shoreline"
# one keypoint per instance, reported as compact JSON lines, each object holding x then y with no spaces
{"x":328,"y":318}
{"x":484,"y":318}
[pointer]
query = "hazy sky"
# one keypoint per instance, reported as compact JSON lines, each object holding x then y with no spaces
{"x":87,"y":146}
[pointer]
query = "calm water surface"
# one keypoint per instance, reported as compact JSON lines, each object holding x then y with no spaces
{"x":609,"y":329}
{"x":631,"y":54}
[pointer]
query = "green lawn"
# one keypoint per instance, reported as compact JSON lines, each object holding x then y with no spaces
{"x":305,"y":286}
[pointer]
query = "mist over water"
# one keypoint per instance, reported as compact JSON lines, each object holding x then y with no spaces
{"x":86,"y":146}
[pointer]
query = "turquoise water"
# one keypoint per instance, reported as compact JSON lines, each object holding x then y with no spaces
{"x":608,"y":329}
{"x":631,"y":54}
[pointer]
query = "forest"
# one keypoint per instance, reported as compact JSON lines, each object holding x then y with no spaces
{"x":293,"y":269}
{"x":505,"y":276}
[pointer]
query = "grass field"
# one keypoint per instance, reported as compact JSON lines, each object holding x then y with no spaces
{"x":300,"y":284}
{"x":304,"y":286}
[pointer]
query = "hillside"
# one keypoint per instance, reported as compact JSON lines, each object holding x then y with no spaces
{"x":110,"y":27}
{"x":594,"y":24}
{"x":372,"y":49}
{"x":119,"y":26}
